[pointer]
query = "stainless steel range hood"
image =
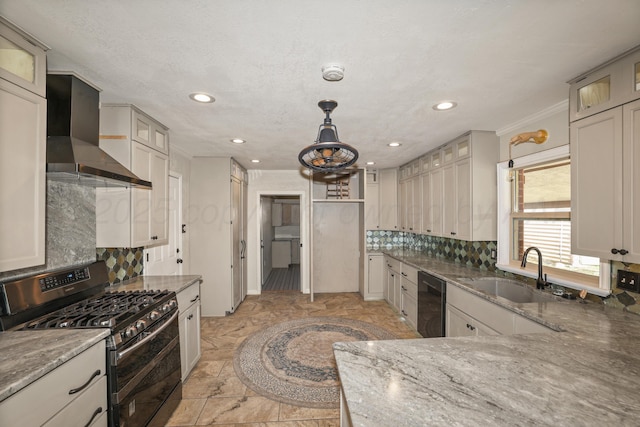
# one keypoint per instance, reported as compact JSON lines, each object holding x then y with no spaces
{"x":73,"y":126}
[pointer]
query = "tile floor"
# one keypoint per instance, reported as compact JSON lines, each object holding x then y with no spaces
{"x":213,"y":394}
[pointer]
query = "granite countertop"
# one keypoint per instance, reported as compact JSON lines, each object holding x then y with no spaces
{"x":586,"y":375}
{"x":170,"y":283}
{"x":25,"y":356}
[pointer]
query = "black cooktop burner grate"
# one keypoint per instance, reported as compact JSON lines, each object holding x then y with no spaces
{"x":104,"y":311}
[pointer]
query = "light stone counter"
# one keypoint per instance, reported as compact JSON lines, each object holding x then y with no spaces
{"x":587,"y":375}
{"x":170,"y":283}
{"x":25,"y":356}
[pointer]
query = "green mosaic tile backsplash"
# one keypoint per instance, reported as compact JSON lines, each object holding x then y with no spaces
{"x":476,"y":254}
{"x":122,"y":263}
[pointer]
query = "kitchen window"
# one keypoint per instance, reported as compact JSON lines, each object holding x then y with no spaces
{"x":534,"y":199}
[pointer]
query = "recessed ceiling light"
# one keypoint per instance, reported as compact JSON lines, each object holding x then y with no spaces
{"x":202,"y":97}
{"x":371,"y":163}
{"x":394,"y":144}
{"x":444,"y":105}
{"x":255,"y":161}
{"x":238,"y":141}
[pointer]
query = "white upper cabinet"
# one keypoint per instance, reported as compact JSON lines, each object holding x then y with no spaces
{"x":455,"y":194}
{"x":605,"y":152}
{"x":23,"y":122}
{"x":381,"y":200}
{"x":134,"y":217}
{"x":613,"y":83}
{"x":372,"y":201}
{"x":149,"y":132}
{"x":410,"y":195}
{"x":605,"y":206}
{"x":22,"y":60}
{"x":388,"y":182}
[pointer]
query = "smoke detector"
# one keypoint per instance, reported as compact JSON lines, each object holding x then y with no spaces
{"x":332,"y":73}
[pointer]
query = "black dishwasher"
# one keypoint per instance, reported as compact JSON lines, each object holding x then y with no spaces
{"x":431,"y":305}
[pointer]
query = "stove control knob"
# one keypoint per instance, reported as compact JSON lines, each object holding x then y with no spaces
{"x":140,"y":325}
{"x":153,"y":315}
{"x":173,"y":303}
{"x":166,"y":308}
{"x":130,"y":332}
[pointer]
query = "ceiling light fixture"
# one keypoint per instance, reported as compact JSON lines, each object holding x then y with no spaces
{"x":445,"y":105}
{"x":255,"y":161}
{"x":371,"y":163}
{"x":394,"y":144}
{"x":238,"y":141}
{"x":202,"y":97}
{"x":328,"y":154}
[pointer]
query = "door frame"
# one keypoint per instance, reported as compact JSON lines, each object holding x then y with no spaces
{"x":304,"y":233}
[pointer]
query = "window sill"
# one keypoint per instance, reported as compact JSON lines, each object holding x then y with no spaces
{"x":556,"y":280}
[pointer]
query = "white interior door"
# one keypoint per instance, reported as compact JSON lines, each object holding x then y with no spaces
{"x":266,"y":237}
{"x":237,"y":245}
{"x":166,"y":260}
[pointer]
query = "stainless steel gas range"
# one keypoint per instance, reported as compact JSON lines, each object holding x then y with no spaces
{"x":143,"y":351}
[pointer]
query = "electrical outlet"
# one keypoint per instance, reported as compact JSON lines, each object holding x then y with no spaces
{"x":494,"y":254}
{"x":629,"y":280}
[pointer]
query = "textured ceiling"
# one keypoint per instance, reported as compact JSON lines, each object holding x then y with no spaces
{"x":500,"y":61}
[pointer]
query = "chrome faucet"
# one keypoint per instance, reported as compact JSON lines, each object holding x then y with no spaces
{"x":540,"y":281}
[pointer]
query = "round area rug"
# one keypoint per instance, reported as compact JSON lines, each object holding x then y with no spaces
{"x":293,"y":362}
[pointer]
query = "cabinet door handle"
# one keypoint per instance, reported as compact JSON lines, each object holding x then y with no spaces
{"x":97,"y":412}
{"x":619,"y":251}
{"x":404,"y":274}
{"x":453,"y":233}
{"x":179,"y":261}
{"x":85,"y":385}
{"x":403,"y":288}
{"x":195,"y":298}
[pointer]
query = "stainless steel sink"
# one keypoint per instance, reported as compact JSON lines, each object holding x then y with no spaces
{"x":509,"y":289}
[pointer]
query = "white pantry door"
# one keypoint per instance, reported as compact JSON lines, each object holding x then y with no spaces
{"x":166,"y":260}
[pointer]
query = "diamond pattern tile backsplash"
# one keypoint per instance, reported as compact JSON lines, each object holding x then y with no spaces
{"x":122,"y":263}
{"x":476,"y":254}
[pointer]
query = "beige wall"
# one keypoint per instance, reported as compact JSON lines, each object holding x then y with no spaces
{"x":272,"y":182}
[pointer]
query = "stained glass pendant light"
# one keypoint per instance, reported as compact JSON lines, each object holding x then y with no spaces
{"x":328,"y":154}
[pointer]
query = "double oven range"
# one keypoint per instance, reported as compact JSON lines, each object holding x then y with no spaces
{"x":143,"y":351}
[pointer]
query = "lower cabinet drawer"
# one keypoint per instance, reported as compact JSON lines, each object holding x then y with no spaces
{"x":392,"y":263}
{"x":409,"y":272}
{"x":86,"y":410}
{"x":40,"y":401}
{"x":495,"y":317}
{"x":409,"y":287}
{"x":188,"y":296}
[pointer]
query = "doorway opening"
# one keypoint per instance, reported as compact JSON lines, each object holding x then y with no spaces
{"x":280,"y":243}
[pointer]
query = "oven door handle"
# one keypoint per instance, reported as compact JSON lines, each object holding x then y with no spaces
{"x":148,"y":338}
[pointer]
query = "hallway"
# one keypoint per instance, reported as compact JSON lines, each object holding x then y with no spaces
{"x":283,"y":279}
{"x":214,"y":395}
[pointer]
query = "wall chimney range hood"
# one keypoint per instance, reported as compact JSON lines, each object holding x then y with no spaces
{"x":73,"y":128}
